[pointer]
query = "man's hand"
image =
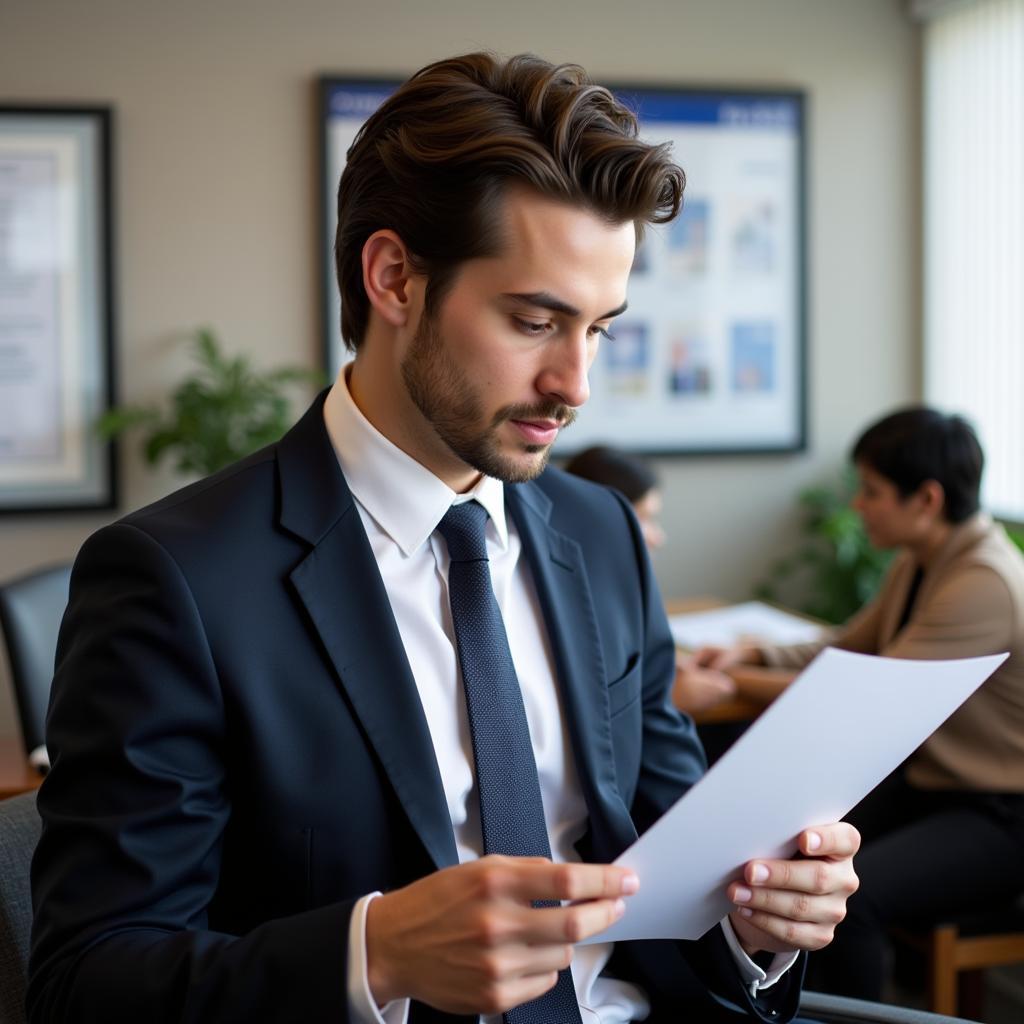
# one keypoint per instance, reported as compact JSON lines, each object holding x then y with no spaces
{"x":787,"y":905}
{"x":466,"y":939}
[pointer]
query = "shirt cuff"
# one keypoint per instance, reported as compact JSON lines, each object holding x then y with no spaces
{"x":361,"y":1005}
{"x":754,"y":977}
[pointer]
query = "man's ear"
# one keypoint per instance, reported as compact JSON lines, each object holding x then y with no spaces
{"x":387,"y":276}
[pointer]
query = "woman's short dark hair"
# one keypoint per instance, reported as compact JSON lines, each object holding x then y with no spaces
{"x":917,"y":444}
{"x":433,"y":164}
{"x":626,"y":473}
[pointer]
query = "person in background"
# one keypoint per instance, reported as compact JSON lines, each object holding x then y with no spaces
{"x":632,"y":477}
{"x":944,"y":834}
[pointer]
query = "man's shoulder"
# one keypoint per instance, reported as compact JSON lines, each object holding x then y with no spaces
{"x":219,"y":520}
{"x":596,"y":518}
{"x":571,"y":497}
{"x":224,"y":495}
{"x":562,"y":486}
{"x":249,"y":493}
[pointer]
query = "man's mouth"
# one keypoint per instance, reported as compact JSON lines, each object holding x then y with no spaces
{"x":539,"y":432}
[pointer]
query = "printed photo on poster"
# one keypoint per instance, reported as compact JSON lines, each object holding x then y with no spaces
{"x":627,"y":360}
{"x":753,"y":357}
{"x":689,"y":367}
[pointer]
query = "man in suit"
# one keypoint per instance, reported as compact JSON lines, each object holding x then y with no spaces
{"x":352,"y":730}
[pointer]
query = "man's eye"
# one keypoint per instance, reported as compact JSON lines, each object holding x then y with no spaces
{"x":603,"y":331}
{"x":531,"y":327}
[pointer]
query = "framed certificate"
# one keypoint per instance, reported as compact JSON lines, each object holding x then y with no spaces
{"x":56,"y":309}
{"x":710,"y":358}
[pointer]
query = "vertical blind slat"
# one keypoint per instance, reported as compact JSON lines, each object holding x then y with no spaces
{"x":974,"y":232}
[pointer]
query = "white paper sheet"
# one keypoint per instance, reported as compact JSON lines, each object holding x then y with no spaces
{"x":752,"y":620}
{"x":825,"y":743}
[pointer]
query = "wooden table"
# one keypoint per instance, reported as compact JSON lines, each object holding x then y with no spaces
{"x":16,"y":774}
{"x":756,"y":686}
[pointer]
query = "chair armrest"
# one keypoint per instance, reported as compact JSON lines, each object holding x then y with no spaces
{"x":839,"y":1010}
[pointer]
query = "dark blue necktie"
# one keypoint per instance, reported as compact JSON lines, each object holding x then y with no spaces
{"x":511,"y":809}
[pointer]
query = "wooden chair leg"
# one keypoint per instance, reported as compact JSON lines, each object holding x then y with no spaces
{"x":942,"y":981}
{"x":971,"y":990}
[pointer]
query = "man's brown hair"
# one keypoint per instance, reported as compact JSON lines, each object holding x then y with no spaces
{"x":434,"y":161}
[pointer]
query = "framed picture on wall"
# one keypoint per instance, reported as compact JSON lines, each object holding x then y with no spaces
{"x":56,"y":309}
{"x":711,"y":356}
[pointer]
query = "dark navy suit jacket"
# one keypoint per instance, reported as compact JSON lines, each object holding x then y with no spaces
{"x":240,"y":753}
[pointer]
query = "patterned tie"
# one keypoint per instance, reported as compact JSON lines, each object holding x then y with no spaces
{"x":511,"y":810}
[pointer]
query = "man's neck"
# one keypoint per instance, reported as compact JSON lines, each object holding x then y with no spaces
{"x":385,"y":413}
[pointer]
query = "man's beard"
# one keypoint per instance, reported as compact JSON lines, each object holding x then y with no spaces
{"x":443,"y":393}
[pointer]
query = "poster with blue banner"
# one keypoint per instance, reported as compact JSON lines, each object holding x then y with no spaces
{"x":710,"y":358}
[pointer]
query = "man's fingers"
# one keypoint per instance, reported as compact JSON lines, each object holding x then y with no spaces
{"x":840,"y":839}
{"x":815,"y":876}
{"x":794,"y":906}
{"x":571,"y":924}
{"x":784,"y":934}
{"x":533,"y":878}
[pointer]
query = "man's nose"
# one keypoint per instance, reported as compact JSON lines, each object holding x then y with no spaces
{"x":565,"y":374}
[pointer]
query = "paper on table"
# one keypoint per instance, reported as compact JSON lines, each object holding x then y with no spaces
{"x":844,"y":724}
{"x":722,"y":627}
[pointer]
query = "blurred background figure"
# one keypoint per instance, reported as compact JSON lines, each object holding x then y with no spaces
{"x":630,"y":475}
{"x":695,"y":688}
{"x":945,"y":833}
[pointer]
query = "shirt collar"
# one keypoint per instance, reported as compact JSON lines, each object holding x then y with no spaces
{"x":405,"y":499}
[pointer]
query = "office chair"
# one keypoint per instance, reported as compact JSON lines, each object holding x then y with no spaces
{"x":31,"y":608}
{"x":19,"y":833}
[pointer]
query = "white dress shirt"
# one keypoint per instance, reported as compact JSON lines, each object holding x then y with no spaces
{"x":400,"y":503}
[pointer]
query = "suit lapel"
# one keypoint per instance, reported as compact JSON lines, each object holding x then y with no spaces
{"x":563,"y":589}
{"x":340,"y":586}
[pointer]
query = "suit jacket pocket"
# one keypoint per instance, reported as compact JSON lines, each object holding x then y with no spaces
{"x":625,"y":690}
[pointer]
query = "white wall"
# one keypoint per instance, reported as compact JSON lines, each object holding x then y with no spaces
{"x":217,"y":212}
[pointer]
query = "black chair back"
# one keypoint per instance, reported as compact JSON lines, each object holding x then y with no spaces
{"x":31,"y":608}
{"x":19,"y":833}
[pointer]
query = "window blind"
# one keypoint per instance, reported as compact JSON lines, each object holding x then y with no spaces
{"x":974,"y":231}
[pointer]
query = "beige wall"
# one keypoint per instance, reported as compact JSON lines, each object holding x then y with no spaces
{"x":217,"y":216}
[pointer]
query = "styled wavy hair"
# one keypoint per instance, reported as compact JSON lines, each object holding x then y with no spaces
{"x":434,"y":161}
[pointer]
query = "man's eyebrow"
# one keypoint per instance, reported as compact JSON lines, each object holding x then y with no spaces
{"x":548,"y":301}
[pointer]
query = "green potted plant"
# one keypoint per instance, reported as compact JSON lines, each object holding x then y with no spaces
{"x":218,"y":414}
{"x":834,"y":571}
{"x":1016,"y":535}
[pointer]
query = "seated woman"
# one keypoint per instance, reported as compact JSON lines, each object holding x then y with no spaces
{"x":945,"y":834}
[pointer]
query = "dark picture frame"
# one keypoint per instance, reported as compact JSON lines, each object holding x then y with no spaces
{"x":56,"y":308}
{"x":711,"y":358}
